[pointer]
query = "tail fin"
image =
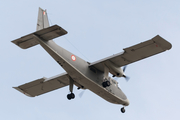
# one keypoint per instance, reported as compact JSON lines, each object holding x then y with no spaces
{"x":42,"y":21}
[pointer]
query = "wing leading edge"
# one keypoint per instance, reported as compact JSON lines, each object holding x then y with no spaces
{"x":135,"y":53}
{"x":44,"y":85}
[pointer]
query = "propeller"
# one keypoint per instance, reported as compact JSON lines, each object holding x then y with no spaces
{"x":124,"y":68}
{"x":126,"y":77}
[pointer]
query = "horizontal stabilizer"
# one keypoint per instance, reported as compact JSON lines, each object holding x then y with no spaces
{"x":45,"y":34}
{"x":44,"y":85}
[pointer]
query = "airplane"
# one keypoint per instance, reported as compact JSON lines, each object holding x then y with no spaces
{"x":85,"y":75}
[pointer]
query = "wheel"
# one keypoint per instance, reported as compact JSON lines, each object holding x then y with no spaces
{"x":72,"y":95}
{"x":104,"y":84}
{"x":122,"y":110}
{"x":107,"y":83}
{"x":69,"y":96}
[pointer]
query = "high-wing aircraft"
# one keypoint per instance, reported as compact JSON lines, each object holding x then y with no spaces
{"x":93,"y":76}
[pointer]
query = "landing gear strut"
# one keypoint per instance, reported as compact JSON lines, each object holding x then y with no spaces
{"x":122,"y":110}
{"x":106,"y":84}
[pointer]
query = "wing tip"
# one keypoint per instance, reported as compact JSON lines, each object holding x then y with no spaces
{"x":20,"y":90}
{"x":167,"y":45}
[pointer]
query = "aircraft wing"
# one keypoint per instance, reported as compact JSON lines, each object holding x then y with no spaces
{"x":135,"y":53}
{"x":44,"y":85}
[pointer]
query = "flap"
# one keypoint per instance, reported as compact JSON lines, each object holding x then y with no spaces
{"x":137,"y":52}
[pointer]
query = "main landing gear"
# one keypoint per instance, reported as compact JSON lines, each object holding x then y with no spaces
{"x":71,"y":95}
{"x":106,"y":84}
{"x":123,"y":110}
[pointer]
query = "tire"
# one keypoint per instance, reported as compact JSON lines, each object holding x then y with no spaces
{"x":104,"y":84}
{"x":123,"y":110}
{"x":69,"y":96}
{"x":72,"y":95}
{"x":107,"y":83}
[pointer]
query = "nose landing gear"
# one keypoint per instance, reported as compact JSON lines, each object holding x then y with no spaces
{"x":123,"y":110}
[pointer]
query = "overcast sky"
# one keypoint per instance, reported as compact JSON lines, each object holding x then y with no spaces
{"x":96,"y":29}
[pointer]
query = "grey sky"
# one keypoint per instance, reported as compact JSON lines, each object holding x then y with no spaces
{"x":98,"y":29}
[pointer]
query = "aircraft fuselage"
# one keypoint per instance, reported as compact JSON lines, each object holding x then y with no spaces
{"x":84,"y":77}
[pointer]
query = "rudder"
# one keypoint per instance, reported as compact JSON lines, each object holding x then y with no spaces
{"x":42,"y":21}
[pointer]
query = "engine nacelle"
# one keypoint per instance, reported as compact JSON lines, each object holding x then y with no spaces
{"x":113,"y":69}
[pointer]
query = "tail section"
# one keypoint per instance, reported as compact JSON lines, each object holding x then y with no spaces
{"x":43,"y":31}
{"x":42,"y":21}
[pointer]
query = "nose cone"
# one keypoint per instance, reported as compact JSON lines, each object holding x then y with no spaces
{"x":126,"y":102}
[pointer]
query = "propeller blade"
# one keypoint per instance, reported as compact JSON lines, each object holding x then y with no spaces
{"x":124,"y":68}
{"x":81,"y":93}
{"x":127,"y":78}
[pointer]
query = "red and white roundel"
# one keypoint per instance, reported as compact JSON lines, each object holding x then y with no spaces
{"x":73,"y":57}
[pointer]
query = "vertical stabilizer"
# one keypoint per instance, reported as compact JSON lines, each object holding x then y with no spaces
{"x":42,"y":20}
